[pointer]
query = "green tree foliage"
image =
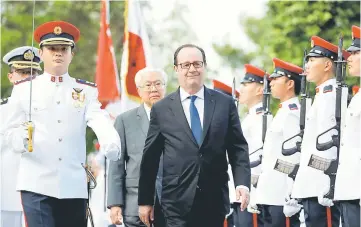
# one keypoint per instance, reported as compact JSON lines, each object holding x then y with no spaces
{"x":16,"y":30}
{"x":285,"y":31}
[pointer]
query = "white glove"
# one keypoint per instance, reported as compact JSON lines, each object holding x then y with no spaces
{"x":20,"y":139}
{"x":252,"y":206}
{"x":325,"y":201}
{"x":291,"y":207}
{"x":111,"y":151}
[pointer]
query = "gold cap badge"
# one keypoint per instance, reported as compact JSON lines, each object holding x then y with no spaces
{"x":28,"y":55}
{"x":57,"y":30}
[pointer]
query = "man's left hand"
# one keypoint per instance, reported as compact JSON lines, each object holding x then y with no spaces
{"x":242,"y":195}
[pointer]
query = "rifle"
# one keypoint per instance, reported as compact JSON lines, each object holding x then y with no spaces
{"x":330,"y":166}
{"x":105,"y":183}
{"x":266,"y":113}
{"x":305,"y":98}
{"x":234,"y":92}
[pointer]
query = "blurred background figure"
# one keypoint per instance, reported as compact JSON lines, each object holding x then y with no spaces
{"x":98,"y":164}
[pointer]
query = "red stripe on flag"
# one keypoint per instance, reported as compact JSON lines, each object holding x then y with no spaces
{"x":136,"y":62}
{"x":106,"y":70}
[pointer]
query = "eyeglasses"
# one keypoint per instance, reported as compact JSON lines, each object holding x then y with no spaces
{"x":148,"y":86}
{"x":187,"y":65}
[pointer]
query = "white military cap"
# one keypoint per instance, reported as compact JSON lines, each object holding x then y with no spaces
{"x":23,"y":58}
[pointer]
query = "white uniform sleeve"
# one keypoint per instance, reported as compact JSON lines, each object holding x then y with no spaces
{"x":326,"y":116}
{"x":99,"y":120}
{"x":11,"y":129}
{"x":290,"y":129}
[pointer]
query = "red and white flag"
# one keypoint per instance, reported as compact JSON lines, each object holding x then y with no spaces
{"x":107,"y":77}
{"x":136,"y":53}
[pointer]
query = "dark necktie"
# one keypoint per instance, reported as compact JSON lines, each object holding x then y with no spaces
{"x":195,"y":121}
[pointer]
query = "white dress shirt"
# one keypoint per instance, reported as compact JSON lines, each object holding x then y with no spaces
{"x":147,"y":110}
{"x":199,"y":103}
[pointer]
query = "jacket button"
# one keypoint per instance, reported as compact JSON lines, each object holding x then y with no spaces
{"x":58,"y":102}
{"x":60,"y":159}
{"x":200,"y":155}
{"x":60,"y":139}
{"x":59,"y":121}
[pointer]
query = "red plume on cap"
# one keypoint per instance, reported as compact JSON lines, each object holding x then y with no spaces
{"x":356,"y":32}
{"x":317,"y":41}
{"x":254,"y":70}
{"x":56,"y":28}
{"x":224,"y":87}
{"x":278,"y":63}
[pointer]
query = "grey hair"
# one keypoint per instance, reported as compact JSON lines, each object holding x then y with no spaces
{"x":144,"y":71}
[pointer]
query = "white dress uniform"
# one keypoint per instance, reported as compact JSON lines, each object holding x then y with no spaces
{"x":273,"y":185}
{"x":62,"y":107}
{"x":347,"y":185}
{"x":10,"y":207}
{"x":10,"y":198}
{"x":21,"y":58}
{"x":252,"y":131}
{"x":311,"y":182}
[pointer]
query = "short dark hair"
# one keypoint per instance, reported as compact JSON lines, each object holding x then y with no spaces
{"x":175,"y":61}
{"x":297,"y":86}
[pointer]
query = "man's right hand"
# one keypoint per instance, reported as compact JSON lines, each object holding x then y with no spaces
{"x":116,"y":215}
{"x":146,"y":214}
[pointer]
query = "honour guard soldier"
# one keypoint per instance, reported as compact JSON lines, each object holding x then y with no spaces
{"x":21,"y":62}
{"x":225,"y":89}
{"x":52,"y":179}
{"x":274,"y":186}
{"x":311,"y":182}
{"x":251,"y":92}
{"x":347,"y":188}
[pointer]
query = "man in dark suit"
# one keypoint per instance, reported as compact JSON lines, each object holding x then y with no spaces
{"x":194,"y":151}
{"x":132,"y":127}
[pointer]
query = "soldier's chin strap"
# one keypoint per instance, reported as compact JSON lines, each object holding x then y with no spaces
{"x":92,"y":183}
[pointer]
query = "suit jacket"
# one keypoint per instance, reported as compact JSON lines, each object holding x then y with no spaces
{"x":123,"y":176}
{"x":188,"y":165}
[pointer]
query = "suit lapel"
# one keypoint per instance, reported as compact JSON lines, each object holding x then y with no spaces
{"x":143,"y":119}
{"x":177,"y":110}
{"x":209,"y":104}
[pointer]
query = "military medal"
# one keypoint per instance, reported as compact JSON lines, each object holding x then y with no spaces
{"x":78,"y":97}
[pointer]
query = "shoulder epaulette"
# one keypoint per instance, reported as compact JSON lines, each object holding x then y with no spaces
{"x":4,"y":101}
{"x":327,"y":88}
{"x":24,"y":80}
{"x":80,"y":81}
{"x":293,"y":106}
{"x":259,"y":110}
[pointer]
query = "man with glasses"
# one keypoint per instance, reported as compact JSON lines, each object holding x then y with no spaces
{"x":193,"y":128}
{"x":132,"y":127}
{"x":21,"y":61}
